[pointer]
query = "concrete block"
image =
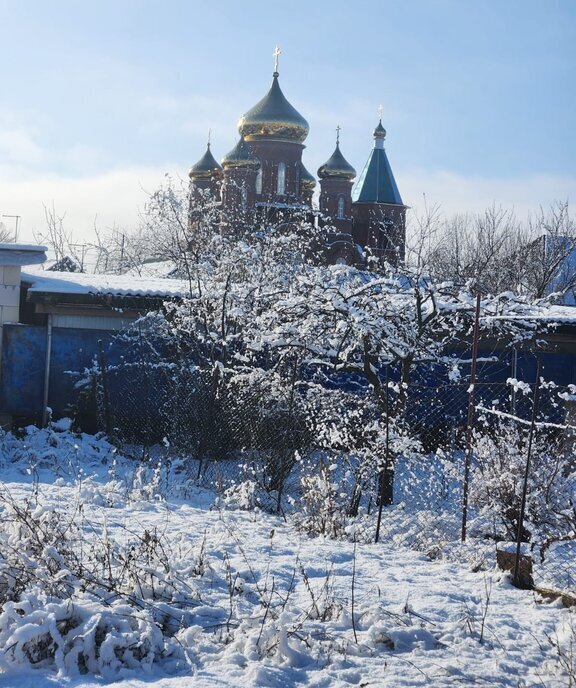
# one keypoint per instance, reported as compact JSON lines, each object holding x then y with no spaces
{"x":11,"y":275}
{"x":9,"y":314}
{"x":9,"y":295}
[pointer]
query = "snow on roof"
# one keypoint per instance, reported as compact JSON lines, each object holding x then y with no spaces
{"x":21,"y":254}
{"x":552,"y":314}
{"x":561,"y":314}
{"x":5,"y":246}
{"x":113,"y":285}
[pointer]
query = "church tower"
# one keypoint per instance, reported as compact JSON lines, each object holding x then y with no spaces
{"x":206,"y":175}
{"x":241,"y":168}
{"x":274,"y":132}
{"x":336,"y":176}
{"x":377,"y":208}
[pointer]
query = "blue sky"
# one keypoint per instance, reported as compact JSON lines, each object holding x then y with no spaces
{"x":101,"y":99}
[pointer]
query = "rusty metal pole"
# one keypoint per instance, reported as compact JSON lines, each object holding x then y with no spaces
{"x":470,"y":419}
{"x":384,"y":471}
{"x":515,"y":579}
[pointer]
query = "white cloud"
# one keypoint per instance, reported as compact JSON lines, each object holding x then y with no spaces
{"x":117,"y":196}
{"x":458,"y":194}
{"x":111,"y":199}
{"x":17,"y":146}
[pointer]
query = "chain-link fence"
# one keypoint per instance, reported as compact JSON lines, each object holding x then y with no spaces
{"x":273,"y":431}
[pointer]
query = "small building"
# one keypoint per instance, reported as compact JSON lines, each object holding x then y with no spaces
{"x":56,"y":324}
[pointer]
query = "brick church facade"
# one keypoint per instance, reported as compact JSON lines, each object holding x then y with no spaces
{"x":263,"y":179}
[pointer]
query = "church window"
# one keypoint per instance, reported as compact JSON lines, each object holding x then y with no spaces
{"x":341,"y":205}
{"x":259,"y":182}
{"x":281,"y":185}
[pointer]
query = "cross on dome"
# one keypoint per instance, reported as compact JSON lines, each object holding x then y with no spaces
{"x":338,"y":134}
{"x":276,"y":55}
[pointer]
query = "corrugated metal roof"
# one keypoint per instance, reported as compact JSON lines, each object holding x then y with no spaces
{"x":113,"y":285}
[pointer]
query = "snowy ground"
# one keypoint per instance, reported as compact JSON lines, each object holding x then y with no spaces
{"x":268,"y":606}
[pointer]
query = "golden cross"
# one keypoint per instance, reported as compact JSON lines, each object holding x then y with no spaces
{"x":380,"y":111}
{"x":276,"y":55}
{"x":209,"y":136}
{"x":337,"y":134}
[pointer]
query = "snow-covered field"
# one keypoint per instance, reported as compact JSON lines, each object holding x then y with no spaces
{"x":207,"y":595}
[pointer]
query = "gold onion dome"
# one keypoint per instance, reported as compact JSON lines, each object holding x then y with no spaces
{"x":274,"y":118}
{"x":206,"y":168}
{"x":240,"y":157}
{"x":308,"y":181}
{"x":336,"y":167}
{"x":379,"y":132}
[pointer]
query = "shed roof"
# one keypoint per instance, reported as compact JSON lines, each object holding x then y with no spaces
{"x":82,"y":284}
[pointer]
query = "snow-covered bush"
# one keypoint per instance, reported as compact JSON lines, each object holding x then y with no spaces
{"x":248,"y":495}
{"x":496,"y":486}
{"x":322,"y":505}
{"x":83,"y":604}
{"x":78,"y":637}
{"x":54,"y":448}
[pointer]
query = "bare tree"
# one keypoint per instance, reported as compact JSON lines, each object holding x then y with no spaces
{"x":549,"y":260}
{"x":497,"y":252}
{"x":6,"y":236}
{"x":69,"y":256}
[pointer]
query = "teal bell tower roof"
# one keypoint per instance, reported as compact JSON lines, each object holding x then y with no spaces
{"x":376,"y":184}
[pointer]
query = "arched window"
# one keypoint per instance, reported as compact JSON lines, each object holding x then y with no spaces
{"x":259,"y":182}
{"x":281,"y":185}
{"x":341,"y":206}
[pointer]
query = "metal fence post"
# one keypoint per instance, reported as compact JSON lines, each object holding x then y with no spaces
{"x":515,"y":579}
{"x":470,"y":419}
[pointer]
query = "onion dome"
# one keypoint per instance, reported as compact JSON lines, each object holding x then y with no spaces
{"x":240,"y":157}
{"x":336,"y":167}
{"x":206,"y":168}
{"x":274,"y":118}
{"x":308,"y":180}
{"x":379,"y":132}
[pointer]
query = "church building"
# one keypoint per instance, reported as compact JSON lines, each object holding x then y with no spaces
{"x":263,"y":179}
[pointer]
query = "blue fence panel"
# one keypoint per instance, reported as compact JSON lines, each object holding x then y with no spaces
{"x":23,"y":365}
{"x":24,"y":361}
{"x":74,"y":350}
